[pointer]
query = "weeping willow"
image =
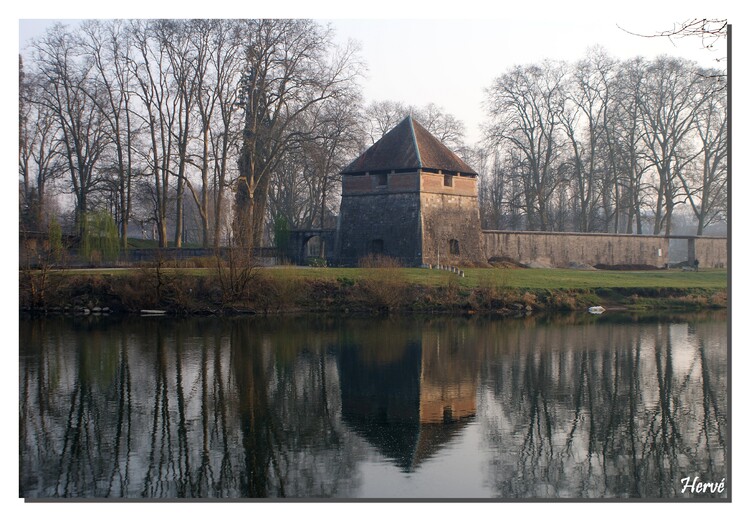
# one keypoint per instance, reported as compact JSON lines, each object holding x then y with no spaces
{"x":100,"y":239}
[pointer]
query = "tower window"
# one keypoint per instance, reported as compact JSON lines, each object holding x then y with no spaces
{"x":453,"y":247}
{"x":381,"y":180}
{"x":447,"y":180}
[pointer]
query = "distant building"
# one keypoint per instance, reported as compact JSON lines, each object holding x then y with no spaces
{"x":409,"y":197}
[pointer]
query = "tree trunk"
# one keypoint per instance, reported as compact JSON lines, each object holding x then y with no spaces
{"x":204,"y":190}
{"x":179,"y":211}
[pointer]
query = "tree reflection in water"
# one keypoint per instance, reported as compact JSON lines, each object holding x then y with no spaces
{"x":605,"y":410}
{"x":294,"y":407}
{"x":176,"y":409}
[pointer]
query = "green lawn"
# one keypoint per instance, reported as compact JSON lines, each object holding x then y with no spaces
{"x":538,"y":278}
{"x":533,"y":278}
{"x":563,"y":278}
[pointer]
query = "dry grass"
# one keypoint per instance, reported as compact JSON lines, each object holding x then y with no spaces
{"x":383,"y":283}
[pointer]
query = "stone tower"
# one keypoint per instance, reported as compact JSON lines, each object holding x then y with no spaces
{"x":409,"y":197}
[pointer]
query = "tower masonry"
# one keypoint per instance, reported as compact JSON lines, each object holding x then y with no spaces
{"x":409,"y":197}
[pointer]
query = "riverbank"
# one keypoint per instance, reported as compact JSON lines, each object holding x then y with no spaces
{"x":359,"y":290}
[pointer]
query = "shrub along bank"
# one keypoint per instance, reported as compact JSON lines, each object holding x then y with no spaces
{"x":282,"y":290}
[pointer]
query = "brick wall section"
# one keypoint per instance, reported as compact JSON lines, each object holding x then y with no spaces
{"x":403,"y":181}
{"x":356,"y":184}
{"x":367,"y":184}
{"x":559,"y":249}
{"x":462,"y":186}
{"x":711,"y":252}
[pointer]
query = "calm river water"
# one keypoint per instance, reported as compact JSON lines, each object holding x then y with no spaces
{"x":573,"y":406}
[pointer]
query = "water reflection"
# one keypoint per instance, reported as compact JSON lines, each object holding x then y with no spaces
{"x":303,"y":407}
{"x":607,"y":412}
{"x":402,"y":393}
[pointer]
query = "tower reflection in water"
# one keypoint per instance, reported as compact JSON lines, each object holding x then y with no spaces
{"x":407,"y":392}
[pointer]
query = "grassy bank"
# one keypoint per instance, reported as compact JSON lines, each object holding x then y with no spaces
{"x":294,"y":289}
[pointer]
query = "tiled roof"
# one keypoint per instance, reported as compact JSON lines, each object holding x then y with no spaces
{"x":408,"y":146}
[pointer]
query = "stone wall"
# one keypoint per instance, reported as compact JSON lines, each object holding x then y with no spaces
{"x":711,"y":252}
{"x":450,"y":213}
{"x":415,"y":215}
{"x":427,"y":217}
{"x":447,"y":218}
{"x":391,"y":218}
{"x":560,"y":249}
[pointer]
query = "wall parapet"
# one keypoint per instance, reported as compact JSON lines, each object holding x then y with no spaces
{"x":577,"y":234}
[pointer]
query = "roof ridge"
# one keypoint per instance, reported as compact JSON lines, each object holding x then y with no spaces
{"x":414,"y":138}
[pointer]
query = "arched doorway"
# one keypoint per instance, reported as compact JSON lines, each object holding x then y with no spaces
{"x":311,"y":246}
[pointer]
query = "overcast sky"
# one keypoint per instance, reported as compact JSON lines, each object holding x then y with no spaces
{"x":451,"y":61}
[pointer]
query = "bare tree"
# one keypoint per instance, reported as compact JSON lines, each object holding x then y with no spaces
{"x":216,"y":47}
{"x":225,"y":64}
{"x":39,"y":161}
{"x":586,"y":123}
{"x":669,"y":104}
{"x":709,"y":30}
{"x":579,"y":116}
{"x":606,"y":145}
{"x":382,"y":116}
{"x":109,"y":48}
{"x":337,"y":140}
{"x":291,"y":67}
{"x":705,"y":182}
{"x":67,"y":90}
{"x":150,"y":68}
{"x":525,"y":105}
{"x":626,"y":138}
{"x":174,"y":37}
{"x":305,"y":187}
{"x":491,"y":187}
{"x":288,"y":195}
{"x":444,"y":126}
